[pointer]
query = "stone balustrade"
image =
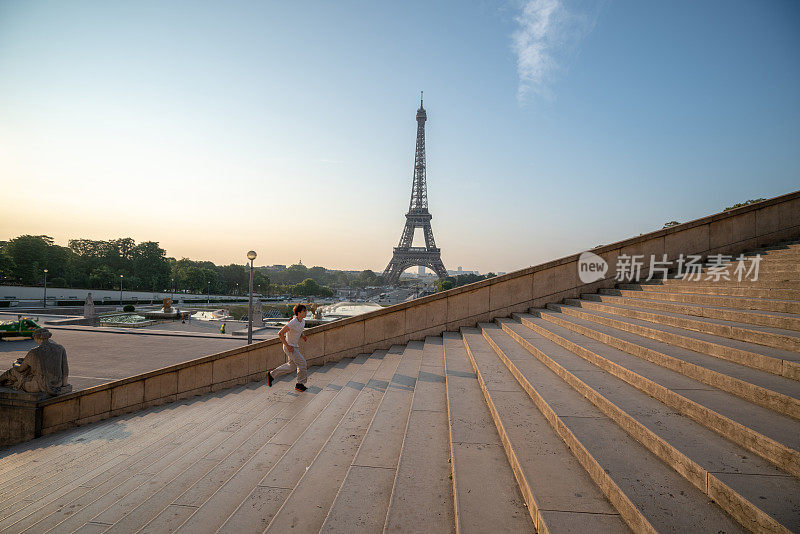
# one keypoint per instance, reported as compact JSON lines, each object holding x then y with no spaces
{"x":728,"y":232}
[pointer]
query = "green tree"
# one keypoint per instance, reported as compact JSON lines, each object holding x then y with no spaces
{"x":6,"y":264}
{"x":117,"y":253}
{"x":320,"y":274}
{"x":745,"y":203}
{"x":149,"y":263}
{"x":444,"y":285}
{"x":194,"y":279}
{"x":234,"y":278}
{"x":261,"y":282}
{"x":296,"y":273}
{"x":87,"y":248}
{"x":28,"y":254}
{"x":103,"y":278}
{"x":365,"y":278}
{"x":310,"y":287}
{"x":343,"y":279}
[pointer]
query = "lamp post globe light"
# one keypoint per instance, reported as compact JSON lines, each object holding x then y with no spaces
{"x":120,"y":290}
{"x":44,"y":297}
{"x":250,"y":256}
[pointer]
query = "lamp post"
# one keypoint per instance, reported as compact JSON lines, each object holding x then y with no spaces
{"x":172,"y":293}
{"x":44,"y":298}
{"x":208,"y":292}
{"x":250,"y":256}
{"x":120,"y":290}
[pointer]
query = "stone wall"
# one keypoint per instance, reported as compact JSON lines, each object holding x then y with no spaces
{"x":35,"y":293}
{"x":729,"y":232}
{"x":18,"y":417}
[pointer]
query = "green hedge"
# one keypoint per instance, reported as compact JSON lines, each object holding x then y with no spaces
{"x":101,"y":302}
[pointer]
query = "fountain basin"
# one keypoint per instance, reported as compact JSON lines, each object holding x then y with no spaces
{"x":162,"y":314}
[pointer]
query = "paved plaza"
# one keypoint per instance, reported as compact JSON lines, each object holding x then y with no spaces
{"x":97,"y":355}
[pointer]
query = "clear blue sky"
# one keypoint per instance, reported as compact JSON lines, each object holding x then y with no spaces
{"x":553,"y":126}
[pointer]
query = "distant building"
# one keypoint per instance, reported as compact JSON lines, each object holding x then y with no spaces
{"x":460,"y":271}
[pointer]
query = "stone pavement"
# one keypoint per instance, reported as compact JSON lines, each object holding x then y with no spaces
{"x":96,"y":357}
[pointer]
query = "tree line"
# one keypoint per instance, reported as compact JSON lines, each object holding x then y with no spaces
{"x":460,"y":280}
{"x":93,"y":264}
{"x":295,"y":274}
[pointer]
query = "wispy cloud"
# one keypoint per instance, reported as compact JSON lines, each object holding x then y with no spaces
{"x":547,"y":31}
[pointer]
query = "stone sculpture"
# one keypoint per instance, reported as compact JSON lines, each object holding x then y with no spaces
{"x":258,"y":315}
{"x":88,"y":308}
{"x":43,"y":370}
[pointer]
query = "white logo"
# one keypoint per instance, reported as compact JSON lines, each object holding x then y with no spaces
{"x":591,"y":267}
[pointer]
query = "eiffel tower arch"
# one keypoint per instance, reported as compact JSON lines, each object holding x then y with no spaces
{"x":418,"y":216}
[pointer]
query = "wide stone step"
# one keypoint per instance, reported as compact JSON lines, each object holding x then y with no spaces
{"x":363,"y":498}
{"x":767,"y":336}
{"x":772,"y":258}
{"x":771,"y":391}
{"x":561,"y":496}
{"x":767,"y":270}
{"x":224,"y":456}
{"x":715,"y":289}
{"x":776,"y":251}
{"x":786,"y":321}
{"x":771,"y":435}
{"x":761,"y":283}
{"x":790,"y":250}
{"x":780,"y":362}
{"x":20,"y":458}
{"x":56,"y":485}
{"x":753,"y":491}
{"x":773,"y":305}
{"x":161,"y":486}
{"x":777,"y":247}
{"x":422,"y":495}
{"x":633,"y":478}
{"x":268,"y":477}
{"x":788,"y":265}
{"x":60,"y":448}
{"x":64,"y":450}
{"x":88,"y":501}
{"x":232,"y":457}
{"x":323,"y":478}
{"x":171,"y":455}
{"x":486,"y":495}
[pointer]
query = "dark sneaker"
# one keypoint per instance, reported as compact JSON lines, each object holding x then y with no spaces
{"x":269,"y":379}
{"x":300,"y":387}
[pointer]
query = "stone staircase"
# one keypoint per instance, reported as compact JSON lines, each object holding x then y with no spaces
{"x":654,"y":407}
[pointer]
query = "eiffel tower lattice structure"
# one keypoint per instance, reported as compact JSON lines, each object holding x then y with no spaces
{"x":418,"y":216}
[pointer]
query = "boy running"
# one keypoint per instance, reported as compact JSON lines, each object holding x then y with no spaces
{"x":290,"y":337}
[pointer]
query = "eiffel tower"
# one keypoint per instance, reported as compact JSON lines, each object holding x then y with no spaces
{"x":418,"y":216}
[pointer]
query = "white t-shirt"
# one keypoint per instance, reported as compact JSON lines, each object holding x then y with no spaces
{"x":295,"y":331}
